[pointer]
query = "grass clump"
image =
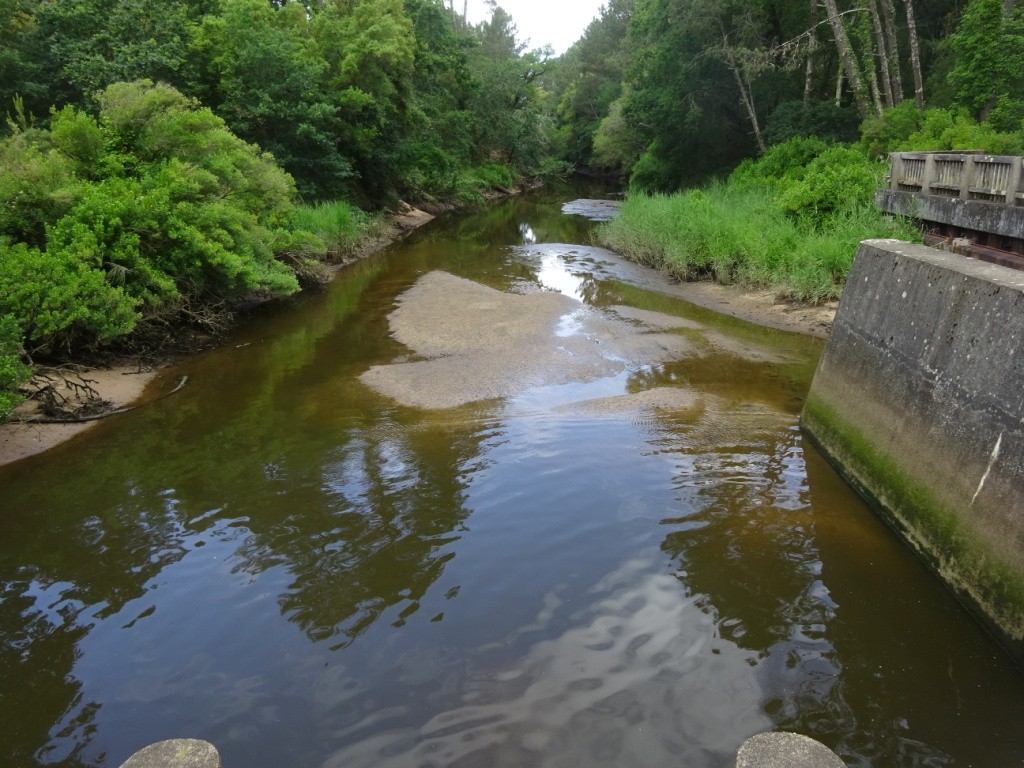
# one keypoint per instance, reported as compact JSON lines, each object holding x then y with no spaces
{"x":790,"y":221}
{"x":475,"y":182}
{"x":341,"y":226}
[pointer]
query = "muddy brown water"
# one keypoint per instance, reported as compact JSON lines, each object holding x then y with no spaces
{"x":642,"y":566}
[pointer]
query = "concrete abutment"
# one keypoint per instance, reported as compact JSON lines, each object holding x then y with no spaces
{"x":918,"y":400}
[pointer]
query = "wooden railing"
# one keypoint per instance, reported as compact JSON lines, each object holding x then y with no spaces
{"x":967,"y":175}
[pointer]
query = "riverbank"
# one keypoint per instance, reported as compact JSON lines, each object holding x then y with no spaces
{"x":126,"y":384}
{"x":762,"y":307}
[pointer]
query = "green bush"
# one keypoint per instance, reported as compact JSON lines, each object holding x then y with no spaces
{"x":431,"y":170}
{"x":907,"y":128}
{"x":783,"y":162}
{"x":13,"y":372}
{"x":883,"y":134}
{"x":651,"y":174}
{"x":56,"y":297}
{"x":840,"y":178}
{"x":955,"y":129}
{"x":821,"y":119}
{"x":483,"y":178}
{"x":152,"y":205}
{"x":38,"y":185}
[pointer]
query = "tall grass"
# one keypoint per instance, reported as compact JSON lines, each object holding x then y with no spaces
{"x":473,"y":183}
{"x":735,"y":233}
{"x":341,"y":226}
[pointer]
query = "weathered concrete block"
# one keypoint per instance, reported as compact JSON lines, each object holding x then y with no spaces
{"x":975,"y":215}
{"x":919,"y":401}
{"x":782,"y":749}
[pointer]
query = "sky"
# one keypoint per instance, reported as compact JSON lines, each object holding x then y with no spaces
{"x":558,"y":23}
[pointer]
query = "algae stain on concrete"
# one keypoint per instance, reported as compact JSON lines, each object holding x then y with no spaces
{"x":932,"y":527}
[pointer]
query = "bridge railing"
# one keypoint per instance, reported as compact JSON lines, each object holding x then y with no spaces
{"x":967,"y":175}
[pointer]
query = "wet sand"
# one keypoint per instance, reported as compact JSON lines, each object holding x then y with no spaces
{"x":497,"y":358}
{"x":475,"y":343}
{"x":120,"y":386}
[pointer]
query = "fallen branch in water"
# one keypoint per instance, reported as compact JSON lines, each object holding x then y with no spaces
{"x":98,"y":416}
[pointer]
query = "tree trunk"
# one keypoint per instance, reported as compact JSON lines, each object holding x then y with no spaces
{"x":889,"y":16}
{"x":465,"y":14}
{"x":812,"y":47}
{"x":839,"y":87}
{"x":876,"y":97}
{"x":883,"y":55}
{"x":746,"y":96}
{"x":915,"y":55}
{"x":846,"y":55}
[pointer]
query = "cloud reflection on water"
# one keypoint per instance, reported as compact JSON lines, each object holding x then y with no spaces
{"x":640,"y":677}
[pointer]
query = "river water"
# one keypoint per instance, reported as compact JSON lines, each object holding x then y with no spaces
{"x":285,"y":562}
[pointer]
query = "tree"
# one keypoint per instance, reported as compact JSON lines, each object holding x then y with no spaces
{"x":89,"y":44}
{"x":915,"y":54}
{"x":989,"y":71}
{"x":889,"y":17}
{"x":588,"y":80}
{"x":846,"y":55}
{"x":507,"y":116}
{"x":369,"y":48}
{"x":265,"y":79}
{"x":21,"y":67}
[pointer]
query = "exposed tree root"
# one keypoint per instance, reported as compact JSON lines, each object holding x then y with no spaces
{"x":93,"y":402}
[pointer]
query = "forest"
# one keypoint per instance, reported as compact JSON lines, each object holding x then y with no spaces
{"x":164,"y":161}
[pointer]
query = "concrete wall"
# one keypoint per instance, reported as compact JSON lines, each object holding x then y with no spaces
{"x":919,"y":401}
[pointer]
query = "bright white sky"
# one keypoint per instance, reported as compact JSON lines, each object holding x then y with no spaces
{"x":558,"y":23}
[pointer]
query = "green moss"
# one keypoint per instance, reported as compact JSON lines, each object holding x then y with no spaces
{"x":936,"y":530}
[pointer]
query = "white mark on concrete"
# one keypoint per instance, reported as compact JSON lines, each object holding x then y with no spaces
{"x":904,"y":294}
{"x":991,"y":461}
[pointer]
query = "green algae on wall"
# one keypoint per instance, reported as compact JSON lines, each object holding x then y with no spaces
{"x":916,"y":400}
{"x":992,"y":589}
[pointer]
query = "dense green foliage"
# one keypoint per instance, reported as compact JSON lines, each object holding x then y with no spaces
{"x":165,"y":155}
{"x":779,"y":222}
{"x":156,"y":150}
{"x":669,"y":93}
{"x":12,"y":370}
{"x":362,"y":99}
{"x":695,"y":89}
{"x":148,"y":207}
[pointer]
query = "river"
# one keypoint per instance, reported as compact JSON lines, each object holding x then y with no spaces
{"x":638,"y":565}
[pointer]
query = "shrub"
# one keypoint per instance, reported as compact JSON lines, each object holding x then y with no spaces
{"x":783,"y":162}
{"x":650,"y":174}
{"x":152,"y":205}
{"x":13,"y":372}
{"x":821,"y":119}
{"x":955,"y":129}
{"x":881,"y":135}
{"x":907,"y":128}
{"x":839,"y":178}
{"x":56,"y":297}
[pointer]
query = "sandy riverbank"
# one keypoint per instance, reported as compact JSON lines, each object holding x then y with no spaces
{"x":123,"y":385}
{"x":120,"y":386}
{"x":761,"y":307}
